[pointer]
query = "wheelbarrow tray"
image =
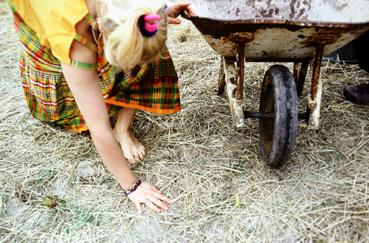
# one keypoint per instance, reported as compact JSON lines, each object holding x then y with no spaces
{"x":279,"y":31}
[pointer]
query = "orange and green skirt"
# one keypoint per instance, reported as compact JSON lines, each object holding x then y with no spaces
{"x":152,"y":88}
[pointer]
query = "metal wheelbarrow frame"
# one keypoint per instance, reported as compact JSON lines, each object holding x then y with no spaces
{"x":300,"y":41}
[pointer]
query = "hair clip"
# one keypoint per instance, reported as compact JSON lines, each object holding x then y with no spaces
{"x":149,"y":24}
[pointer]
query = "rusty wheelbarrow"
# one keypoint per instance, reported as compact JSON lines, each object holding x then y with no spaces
{"x":298,"y":31}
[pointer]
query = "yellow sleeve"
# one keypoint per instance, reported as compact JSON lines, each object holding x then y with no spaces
{"x":54,"y":22}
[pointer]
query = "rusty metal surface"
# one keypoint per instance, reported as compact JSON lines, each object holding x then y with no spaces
{"x":303,"y":11}
{"x":299,"y":74}
{"x":280,"y":30}
{"x":240,"y":71}
{"x":316,"y":89}
{"x":232,"y":86}
{"x":315,"y":76}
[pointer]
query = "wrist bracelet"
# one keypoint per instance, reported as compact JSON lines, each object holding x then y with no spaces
{"x":133,"y":188}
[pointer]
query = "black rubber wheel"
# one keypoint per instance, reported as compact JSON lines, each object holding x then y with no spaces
{"x":278,"y":97}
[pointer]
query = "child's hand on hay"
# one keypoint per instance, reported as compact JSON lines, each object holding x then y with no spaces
{"x":175,"y":9}
{"x":151,"y":197}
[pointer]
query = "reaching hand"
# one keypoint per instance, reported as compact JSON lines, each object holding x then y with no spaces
{"x":149,"y":196}
{"x":174,"y":10}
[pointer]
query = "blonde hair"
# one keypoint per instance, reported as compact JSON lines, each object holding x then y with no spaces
{"x":124,"y":45}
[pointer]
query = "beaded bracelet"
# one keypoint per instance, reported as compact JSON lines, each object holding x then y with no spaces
{"x":133,"y":188}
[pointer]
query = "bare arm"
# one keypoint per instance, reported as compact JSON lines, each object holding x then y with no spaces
{"x":85,"y":88}
{"x":86,"y":91}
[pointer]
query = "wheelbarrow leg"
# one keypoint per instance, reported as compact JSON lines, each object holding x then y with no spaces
{"x":299,"y":73}
{"x":296,"y":70}
{"x":221,"y":80}
{"x":316,"y":88}
{"x":240,"y":71}
{"x":234,"y":78}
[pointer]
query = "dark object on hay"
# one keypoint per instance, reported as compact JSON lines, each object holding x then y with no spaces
{"x":357,"y":94}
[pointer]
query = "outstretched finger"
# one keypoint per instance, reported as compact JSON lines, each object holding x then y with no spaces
{"x":155,"y":192}
{"x":191,"y":11}
{"x":152,"y":206}
{"x":138,"y":207}
{"x":186,"y":7}
{"x":160,"y":204}
{"x":183,"y":5}
{"x":173,"y":20}
{"x":161,"y":196}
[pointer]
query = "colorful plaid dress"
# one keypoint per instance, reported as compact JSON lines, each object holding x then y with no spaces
{"x":46,"y":32}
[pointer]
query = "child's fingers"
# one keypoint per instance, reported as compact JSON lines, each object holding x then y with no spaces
{"x":159,"y":203}
{"x":160,"y":195}
{"x":183,"y":6}
{"x":152,"y":206}
{"x":187,"y":7}
{"x":191,"y":11}
{"x":173,"y":20}
{"x":138,"y":207}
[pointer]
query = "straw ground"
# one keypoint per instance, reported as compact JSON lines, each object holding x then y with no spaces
{"x":54,"y":188}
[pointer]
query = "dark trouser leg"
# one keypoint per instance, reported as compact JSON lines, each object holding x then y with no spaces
{"x":361,"y":46}
{"x":359,"y":94}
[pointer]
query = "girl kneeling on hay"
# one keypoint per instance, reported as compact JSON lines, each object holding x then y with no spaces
{"x":82,"y":61}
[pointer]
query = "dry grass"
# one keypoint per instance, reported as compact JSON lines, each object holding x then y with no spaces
{"x":54,"y":187}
